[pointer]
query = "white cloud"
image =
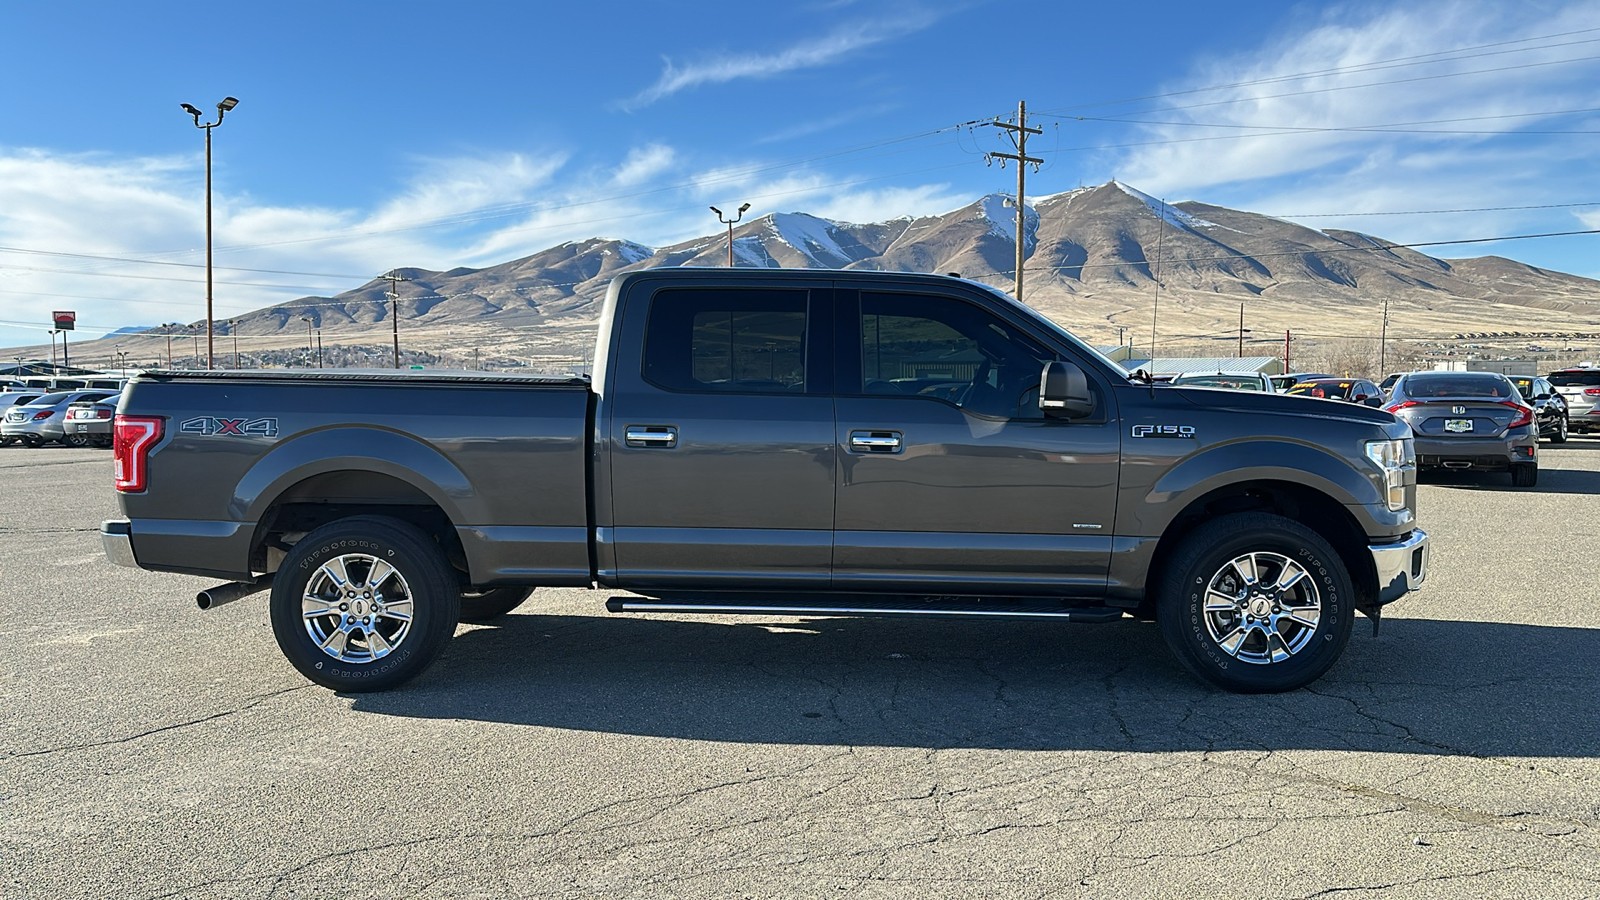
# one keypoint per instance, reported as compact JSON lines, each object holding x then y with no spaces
{"x":1451,"y":88}
{"x":807,"y":54}
{"x":644,"y":163}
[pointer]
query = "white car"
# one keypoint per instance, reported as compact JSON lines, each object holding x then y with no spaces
{"x":1228,"y":381}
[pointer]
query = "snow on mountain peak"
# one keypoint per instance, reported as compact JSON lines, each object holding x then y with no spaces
{"x":1002,"y":216}
{"x":1173,"y":215}
{"x":810,"y":235}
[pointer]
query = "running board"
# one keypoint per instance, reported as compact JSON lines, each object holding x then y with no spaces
{"x":973,"y":609}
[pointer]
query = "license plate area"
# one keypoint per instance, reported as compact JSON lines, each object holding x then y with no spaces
{"x":1457,"y":426}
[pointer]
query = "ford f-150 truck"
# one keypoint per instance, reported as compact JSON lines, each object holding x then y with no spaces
{"x":780,"y":443}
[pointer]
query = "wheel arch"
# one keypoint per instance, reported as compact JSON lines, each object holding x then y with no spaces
{"x":1299,"y":502}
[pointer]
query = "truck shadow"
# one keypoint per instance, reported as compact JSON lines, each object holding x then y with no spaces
{"x":1478,"y":689}
{"x":1551,"y":480}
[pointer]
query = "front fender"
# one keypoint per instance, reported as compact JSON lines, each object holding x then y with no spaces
{"x":1264,"y":459}
{"x":362,"y":448}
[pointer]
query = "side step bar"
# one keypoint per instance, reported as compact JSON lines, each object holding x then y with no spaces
{"x":973,"y":609}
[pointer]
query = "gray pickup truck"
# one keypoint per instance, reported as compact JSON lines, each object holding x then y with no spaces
{"x":779,"y":443}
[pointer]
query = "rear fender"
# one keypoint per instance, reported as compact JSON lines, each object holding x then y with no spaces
{"x":356,"y":448}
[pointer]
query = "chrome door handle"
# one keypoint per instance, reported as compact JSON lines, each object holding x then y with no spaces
{"x":664,"y":436}
{"x":875,"y":441}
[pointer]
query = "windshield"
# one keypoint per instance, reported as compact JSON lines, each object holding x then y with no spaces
{"x":1459,"y":384}
{"x":1336,"y":389}
{"x":1575,"y":379}
{"x":1230,"y":382}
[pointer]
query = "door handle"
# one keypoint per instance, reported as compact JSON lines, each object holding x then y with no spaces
{"x":875,"y":441}
{"x":663,"y":436}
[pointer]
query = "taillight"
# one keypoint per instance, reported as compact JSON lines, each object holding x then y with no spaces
{"x":1591,"y":392}
{"x":43,"y":414}
{"x":1402,"y":405}
{"x":1524,"y":413}
{"x":131,"y":440}
{"x":102,"y":414}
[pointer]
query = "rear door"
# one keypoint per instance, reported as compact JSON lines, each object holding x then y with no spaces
{"x":950,"y":480}
{"x":720,"y":444}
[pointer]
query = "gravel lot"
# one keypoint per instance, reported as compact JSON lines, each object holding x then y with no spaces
{"x":151,"y":750}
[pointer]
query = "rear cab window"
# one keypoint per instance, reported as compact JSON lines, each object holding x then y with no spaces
{"x":727,"y":341}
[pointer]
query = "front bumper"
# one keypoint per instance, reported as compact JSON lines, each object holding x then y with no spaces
{"x":1402,"y":566}
{"x":116,"y":539}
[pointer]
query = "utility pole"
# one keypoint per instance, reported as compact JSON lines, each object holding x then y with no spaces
{"x":1383,"y":342}
{"x":1155,"y":306}
{"x":1241,"y":331}
{"x":1018,"y":133}
{"x":394,"y":309}
{"x":1286,"y":369}
{"x":233,"y":329}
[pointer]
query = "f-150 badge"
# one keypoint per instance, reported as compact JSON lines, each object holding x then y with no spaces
{"x":217,"y":425}
{"x":1163,"y":431}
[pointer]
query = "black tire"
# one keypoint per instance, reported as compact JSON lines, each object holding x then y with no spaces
{"x":1524,"y":474}
{"x":75,"y":440}
{"x":1560,"y":437}
{"x":32,"y":440}
{"x":1275,"y":545}
{"x":492,"y":603}
{"x":7,"y":441}
{"x":425,"y":580}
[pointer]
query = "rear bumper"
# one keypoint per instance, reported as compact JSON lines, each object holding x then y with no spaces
{"x":1477,"y":453}
{"x":116,"y":539}
{"x":185,"y":546}
{"x":1402,"y":566}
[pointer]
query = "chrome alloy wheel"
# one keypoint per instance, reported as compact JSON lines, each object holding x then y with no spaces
{"x":1262,"y":608}
{"x":357,"y":608}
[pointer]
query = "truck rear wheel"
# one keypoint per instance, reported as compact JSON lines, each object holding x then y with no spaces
{"x":1256,"y":603}
{"x":364,"y":604}
{"x":491,"y":603}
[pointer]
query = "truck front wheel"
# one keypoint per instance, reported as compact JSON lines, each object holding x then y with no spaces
{"x":1256,"y":603}
{"x":364,"y":604}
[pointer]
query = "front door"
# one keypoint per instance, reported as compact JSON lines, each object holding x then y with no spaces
{"x":950,"y":480}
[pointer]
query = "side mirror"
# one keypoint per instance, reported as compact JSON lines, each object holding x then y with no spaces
{"x":1541,"y":396}
{"x":1376,"y":400}
{"x":1064,"y":391}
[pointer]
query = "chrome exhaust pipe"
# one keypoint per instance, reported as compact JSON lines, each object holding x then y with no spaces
{"x":1457,"y":464}
{"x":211,"y":598}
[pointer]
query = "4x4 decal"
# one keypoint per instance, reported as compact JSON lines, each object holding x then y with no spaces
{"x":217,"y":425}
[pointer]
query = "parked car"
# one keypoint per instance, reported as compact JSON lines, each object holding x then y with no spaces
{"x":1352,"y":390}
{"x":1230,"y":381}
{"x":44,"y":419}
{"x":1469,"y":420}
{"x":89,"y":422}
{"x":8,"y":399}
{"x":1580,"y":388}
{"x":1549,"y":407}
{"x":1387,"y":384}
{"x":1282,"y":383}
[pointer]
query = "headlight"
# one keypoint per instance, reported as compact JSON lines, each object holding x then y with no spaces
{"x":1393,"y":458}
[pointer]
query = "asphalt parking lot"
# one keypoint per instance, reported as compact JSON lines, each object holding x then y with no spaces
{"x":149,"y":750}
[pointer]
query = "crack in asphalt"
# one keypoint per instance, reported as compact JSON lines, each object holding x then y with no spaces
{"x":188,"y":723}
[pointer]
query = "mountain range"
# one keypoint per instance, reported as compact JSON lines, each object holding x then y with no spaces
{"x":1109,"y":262}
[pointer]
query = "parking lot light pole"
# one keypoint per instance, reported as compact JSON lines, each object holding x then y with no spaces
{"x":233,"y":329}
{"x":168,"y":326}
{"x":311,"y":348}
{"x":53,"y":334}
{"x":226,"y":104}
{"x":729,"y":222}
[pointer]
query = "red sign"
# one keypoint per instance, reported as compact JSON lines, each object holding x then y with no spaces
{"x":66,"y":319}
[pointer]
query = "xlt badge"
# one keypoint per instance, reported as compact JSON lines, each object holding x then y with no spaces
{"x":1163,"y":431}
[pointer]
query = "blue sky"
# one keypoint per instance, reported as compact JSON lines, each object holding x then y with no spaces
{"x":373,"y":135}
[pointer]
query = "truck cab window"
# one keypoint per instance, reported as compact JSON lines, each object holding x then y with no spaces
{"x":942,"y":348}
{"x":742,"y":341}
